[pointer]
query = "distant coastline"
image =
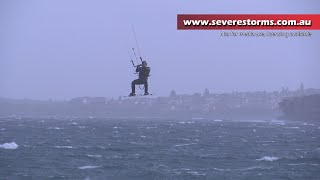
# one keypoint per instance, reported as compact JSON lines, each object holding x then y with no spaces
{"x":303,"y":107}
{"x":258,"y":105}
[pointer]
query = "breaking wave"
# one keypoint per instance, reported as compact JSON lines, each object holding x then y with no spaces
{"x":11,"y":145}
{"x":88,"y":167}
{"x":268,"y":158}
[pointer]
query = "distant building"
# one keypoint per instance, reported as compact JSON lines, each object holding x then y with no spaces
{"x":173,"y":94}
{"x":301,"y":89}
{"x":206,"y":93}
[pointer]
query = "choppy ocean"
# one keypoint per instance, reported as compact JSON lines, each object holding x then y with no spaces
{"x":158,"y":149}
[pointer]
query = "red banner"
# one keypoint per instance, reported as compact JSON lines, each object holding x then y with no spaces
{"x":248,"y":21}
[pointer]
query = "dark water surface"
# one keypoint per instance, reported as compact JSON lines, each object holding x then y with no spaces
{"x":158,"y":149}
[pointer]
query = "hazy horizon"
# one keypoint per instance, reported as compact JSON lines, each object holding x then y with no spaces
{"x":66,"y":49}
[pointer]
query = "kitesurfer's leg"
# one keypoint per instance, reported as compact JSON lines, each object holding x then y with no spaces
{"x":133,"y":87}
{"x":146,"y":88}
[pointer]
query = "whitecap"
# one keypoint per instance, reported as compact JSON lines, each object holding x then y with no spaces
{"x":243,"y":169}
{"x":306,"y":124}
{"x":11,"y":145}
{"x":94,"y":156}
{"x":56,"y":128}
{"x":88,"y":167}
{"x":298,"y":164}
{"x":185,"y":169}
{"x":63,"y":147}
{"x":269,"y":141}
{"x":2,"y":129}
{"x":73,"y":123}
{"x":254,"y":167}
{"x":101,"y":147}
{"x":177,"y":145}
{"x":137,"y":155}
{"x":292,"y":127}
{"x":268,"y":158}
{"x":218,"y":169}
{"x":277,"y":121}
{"x":256,"y":121}
{"x":196,"y":173}
{"x":114,"y":157}
{"x":138,"y":143}
{"x":217,"y":120}
{"x":182,"y":122}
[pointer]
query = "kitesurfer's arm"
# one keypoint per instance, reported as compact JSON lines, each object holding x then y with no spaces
{"x":138,"y":68}
{"x":148,"y":71}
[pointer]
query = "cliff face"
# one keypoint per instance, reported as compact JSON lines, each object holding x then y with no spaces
{"x":301,"y":108}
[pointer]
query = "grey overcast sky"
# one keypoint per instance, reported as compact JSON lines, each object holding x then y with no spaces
{"x":63,"y":49}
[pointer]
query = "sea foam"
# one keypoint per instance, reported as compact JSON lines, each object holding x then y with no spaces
{"x":268,"y":158}
{"x":63,"y":147}
{"x":11,"y":145}
{"x":88,"y":167}
{"x":94,"y":156}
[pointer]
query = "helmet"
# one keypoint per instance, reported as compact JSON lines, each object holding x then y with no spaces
{"x":145,"y":62}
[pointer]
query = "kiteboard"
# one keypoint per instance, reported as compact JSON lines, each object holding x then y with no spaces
{"x":139,"y":95}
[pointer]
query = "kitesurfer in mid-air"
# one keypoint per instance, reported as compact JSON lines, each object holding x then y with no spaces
{"x":144,"y":72}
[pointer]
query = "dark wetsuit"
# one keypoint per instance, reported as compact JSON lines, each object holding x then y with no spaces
{"x":143,"y":78}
